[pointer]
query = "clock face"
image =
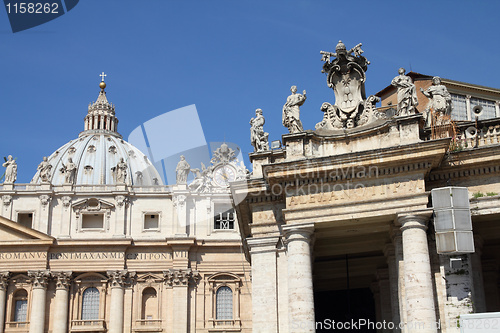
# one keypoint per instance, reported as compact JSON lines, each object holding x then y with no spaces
{"x":224,"y":174}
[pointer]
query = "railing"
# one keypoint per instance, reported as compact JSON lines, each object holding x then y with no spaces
{"x":148,"y":322}
{"x":86,"y":325}
{"x":227,"y":323}
{"x":88,"y":188}
{"x":471,"y":135}
{"x":18,"y":324}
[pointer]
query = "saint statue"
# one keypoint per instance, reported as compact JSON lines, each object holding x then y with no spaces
{"x":439,"y":102}
{"x":44,"y":170}
{"x":258,"y":137}
{"x":291,"y":111}
{"x":407,"y":94}
{"x":121,"y":171}
{"x":10,"y":170}
{"x":182,"y":171}
{"x":69,"y":171}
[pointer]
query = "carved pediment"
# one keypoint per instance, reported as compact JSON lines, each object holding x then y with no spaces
{"x":92,"y":205}
{"x":11,"y":231}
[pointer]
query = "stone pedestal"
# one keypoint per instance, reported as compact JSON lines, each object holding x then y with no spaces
{"x":300,"y":286}
{"x":60,"y":323}
{"x":264,"y":282}
{"x":38,"y":300}
{"x":420,"y":309}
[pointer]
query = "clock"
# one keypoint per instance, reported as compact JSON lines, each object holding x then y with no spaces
{"x":224,"y":174}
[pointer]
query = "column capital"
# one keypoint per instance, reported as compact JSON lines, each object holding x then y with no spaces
{"x":413,"y":219}
{"x":39,"y":279}
{"x":4,"y":280}
{"x":63,"y":279}
{"x":298,"y":232}
{"x":262,"y":245}
{"x":117,"y":278}
{"x":180,"y":277}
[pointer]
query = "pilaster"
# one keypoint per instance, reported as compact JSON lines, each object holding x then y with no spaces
{"x":390,"y":254}
{"x":179,"y":280}
{"x":117,"y":283}
{"x":63,"y":280}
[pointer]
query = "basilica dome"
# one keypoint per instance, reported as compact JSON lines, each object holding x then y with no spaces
{"x":99,"y":156}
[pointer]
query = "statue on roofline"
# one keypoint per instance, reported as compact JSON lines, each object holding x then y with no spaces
{"x":258,"y":137}
{"x":407,"y":94}
{"x":291,"y":111}
{"x":438,"y":110}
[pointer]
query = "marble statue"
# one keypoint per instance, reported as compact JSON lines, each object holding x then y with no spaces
{"x":69,"y":171}
{"x":407,"y":94}
{"x":291,"y":111}
{"x":10,"y":170}
{"x":345,"y":71}
{"x":182,"y":171}
{"x":438,"y":109}
{"x":121,"y":171}
{"x":44,"y":170}
{"x":258,"y":137}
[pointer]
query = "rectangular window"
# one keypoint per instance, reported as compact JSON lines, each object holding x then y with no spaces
{"x":25,"y":219}
{"x":92,"y":221}
{"x":21,"y":311}
{"x":224,"y":220}
{"x":459,"y":107}
{"x":151,"y":221}
{"x":488,"y":111}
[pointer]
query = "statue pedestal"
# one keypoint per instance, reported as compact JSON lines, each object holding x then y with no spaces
{"x":264,"y":157}
{"x":46,"y":186}
{"x":8,"y":186}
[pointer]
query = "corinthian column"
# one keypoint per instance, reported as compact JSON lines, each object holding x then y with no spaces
{"x":419,"y":292}
{"x":300,"y":286}
{"x":117,"y":282}
{"x":39,"y":281}
{"x":4,"y":277}
{"x":60,"y":324}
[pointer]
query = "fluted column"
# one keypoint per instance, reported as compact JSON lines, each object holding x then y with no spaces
{"x":4,"y":282}
{"x":39,"y":281}
{"x":264,"y":284}
{"x":300,"y":285}
{"x":421,"y":315}
{"x":117,"y":282}
{"x":60,"y":323}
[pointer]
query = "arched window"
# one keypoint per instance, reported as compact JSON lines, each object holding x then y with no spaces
{"x":149,"y":304}
{"x":224,"y":303}
{"x":90,"y":304}
{"x":21,"y":306}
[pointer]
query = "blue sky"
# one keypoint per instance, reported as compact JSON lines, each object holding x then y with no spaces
{"x":227,"y":57}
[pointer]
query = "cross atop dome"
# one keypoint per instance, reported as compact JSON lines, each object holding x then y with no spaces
{"x":101,"y":114}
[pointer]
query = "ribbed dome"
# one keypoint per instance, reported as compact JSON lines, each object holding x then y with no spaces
{"x":95,"y":155}
{"x":97,"y":152}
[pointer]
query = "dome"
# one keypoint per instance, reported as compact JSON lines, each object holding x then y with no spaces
{"x":95,"y":154}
